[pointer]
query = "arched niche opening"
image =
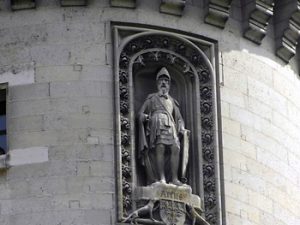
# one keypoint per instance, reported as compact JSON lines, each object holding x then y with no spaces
{"x":183,"y":90}
{"x":139,"y":54}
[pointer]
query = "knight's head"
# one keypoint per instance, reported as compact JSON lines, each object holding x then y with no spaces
{"x":163,"y":80}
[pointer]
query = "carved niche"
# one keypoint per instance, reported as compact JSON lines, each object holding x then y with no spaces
{"x":190,"y":60}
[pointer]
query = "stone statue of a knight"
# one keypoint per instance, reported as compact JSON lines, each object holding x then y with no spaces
{"x":161,"y":129}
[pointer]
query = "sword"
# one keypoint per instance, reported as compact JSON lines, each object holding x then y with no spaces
{"x":185,"y":152}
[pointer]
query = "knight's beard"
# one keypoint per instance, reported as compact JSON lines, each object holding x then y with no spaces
{"x":163,"y":90}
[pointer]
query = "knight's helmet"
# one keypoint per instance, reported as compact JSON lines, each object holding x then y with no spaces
{"x":163,"y":72}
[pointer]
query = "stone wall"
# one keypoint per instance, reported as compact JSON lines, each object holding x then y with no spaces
{"x":59,"y":64}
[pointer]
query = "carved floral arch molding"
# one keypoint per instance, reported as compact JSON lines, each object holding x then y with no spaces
{"x":194,"y":59}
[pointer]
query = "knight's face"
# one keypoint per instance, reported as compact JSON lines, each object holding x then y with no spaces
{"x":163,"y":84}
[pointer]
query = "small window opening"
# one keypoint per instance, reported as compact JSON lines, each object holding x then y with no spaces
{"x":3,"y":132}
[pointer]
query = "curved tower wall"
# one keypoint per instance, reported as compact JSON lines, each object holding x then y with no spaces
{"x":59,"y":65}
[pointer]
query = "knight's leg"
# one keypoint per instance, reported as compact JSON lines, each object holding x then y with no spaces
{"x":160,"y":161}
{"x":175,"y":155}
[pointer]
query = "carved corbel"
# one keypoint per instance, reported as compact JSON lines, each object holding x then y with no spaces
{"x":123,"y":3}
{"x":22,"y":4}
{"x":257,"y":14}
{"x":174,"y":7}
{"x":73,"y":2}
{"x":218,"y":12}
{"x":287,"y":29}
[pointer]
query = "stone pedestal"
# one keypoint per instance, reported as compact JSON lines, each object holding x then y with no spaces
{"x":167,"y":204}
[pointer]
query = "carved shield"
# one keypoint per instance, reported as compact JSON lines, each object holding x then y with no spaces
{"x":172,"y":212}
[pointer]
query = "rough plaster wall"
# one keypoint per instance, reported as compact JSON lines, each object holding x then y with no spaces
{"x":68,"y":108}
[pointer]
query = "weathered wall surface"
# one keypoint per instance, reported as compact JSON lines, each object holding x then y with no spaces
{"x":59,"y":65}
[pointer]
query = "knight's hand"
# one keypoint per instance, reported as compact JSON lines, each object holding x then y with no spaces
{"x":146,"y":117}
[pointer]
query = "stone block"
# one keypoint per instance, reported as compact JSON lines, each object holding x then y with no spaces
{"x":293,"y":114}
{"x":102,"y":185}
{"x":233,"y":158}
{"x":74,"y":204}
{"x":102,"y":169}
{"x":18,"y":74}
{"x":283,"y":85}
{"x":263,"y":140}
{"x":106,"y":136}
{"x":235,"y":80}
{"x":231,"y":127}
{"x":236,"y":60}
{"x":55,"y":217}
{"x":225,"y":109}
{"x":108,"y":154}
{"x":29,"y":92}
{"x":56,"y":73}
{"x":78,"y":121}
{"x":93,"y":217}
{"x":250,"y":181}
{"x":237,"y":192}
{"x":23,"y":36}
{"x":259,"y":108}
{"x":27,"y":156}
{"x":294,"y":162}
{"x":278,"y":196}
{"x":59,"y":168}
{"x":231,"y":142}
{"x":235,"y":206}
{"x":19,"y":189}
{"x":83,"y":169}
{"x":26,"y":206}
{"x":77,"y":89}
{"x":275,"y":163}
{"x":61,"y":105}
{"x":87,"y":54}
{"x":92,"y":140}
{"x":260,"y":201}
{"x":78,"y":185}
{"x":285,"y":125}
{"x":90,"y":152}
{"x":267,"y":95}
{"x":47,"y":186}
{"x":65,"y":54}
{"x":245,"y":117}
{"x":87,"y":201}
{"x":86,"y":31}
{"x":23,"y":139}
{"x":97,"y":73}
{"x":233,"y":97}
{"x":281,"y":212}
{"x":45,"y":55}
{"x":248,"y":149}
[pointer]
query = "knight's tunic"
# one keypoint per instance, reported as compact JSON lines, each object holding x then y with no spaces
{"x":164,"y":124}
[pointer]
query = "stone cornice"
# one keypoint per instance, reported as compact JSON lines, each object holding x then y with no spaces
{"x":22,"y":4}
{"x":123,"y":3}
{"x":73,"y":2}
{"x":258,"y":14}
{"x":218,"y":12}
{"x":254,"y":16}
{"x":174,"y":7}
{"x":288,"y":30}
